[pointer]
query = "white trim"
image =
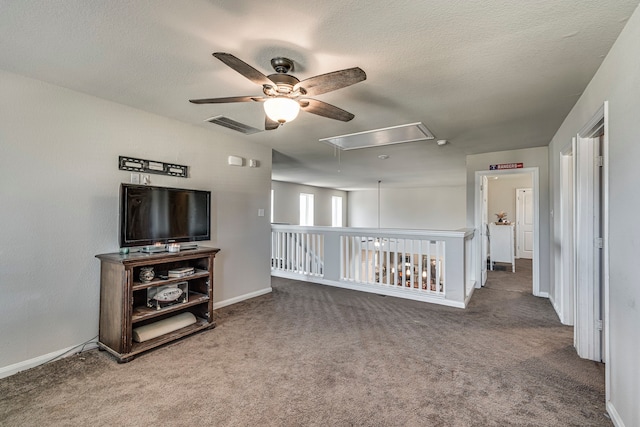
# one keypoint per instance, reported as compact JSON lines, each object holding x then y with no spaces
{"x":554,"y":304}
{"x":220,"y":304}
{"x":468,"y":298}
{"x":484,"y":243}
{"x":535,"y":178}
{"x":615,"y":416}
{"x":588,"y":340}
{"x":590,"y":127}
{"x":7,"y":371}
{"x":564,"y":257}
{"x":543,"y":294}
{"x":605,"y":255}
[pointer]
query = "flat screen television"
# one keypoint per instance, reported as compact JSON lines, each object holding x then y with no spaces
{"x":150,"y":215}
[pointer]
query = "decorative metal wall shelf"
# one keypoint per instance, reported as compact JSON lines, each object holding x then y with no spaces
{"x":152,"y":166}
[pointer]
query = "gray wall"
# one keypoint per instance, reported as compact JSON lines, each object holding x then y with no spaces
{"x":618,"y":82}
{"x":427,"y":208}
{"x":502,"y":194}
{"x":531,"y":157}
{"x":287,"y":203}
{"x":59,"y":183}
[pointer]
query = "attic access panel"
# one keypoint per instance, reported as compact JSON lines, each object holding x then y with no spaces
{"x":379,"y":137}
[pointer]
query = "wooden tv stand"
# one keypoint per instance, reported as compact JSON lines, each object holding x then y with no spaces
{"x":123,"y":297}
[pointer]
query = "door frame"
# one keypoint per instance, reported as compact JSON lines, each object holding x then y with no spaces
{"x":564,"y":292}
{"x":535,"y":181}
{"x":484,"y":218}
{"x":588,"y":341}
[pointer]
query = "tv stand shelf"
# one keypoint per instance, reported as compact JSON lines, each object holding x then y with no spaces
{"x":141,"y":313}
{"x":124,"y":298}
{"x":161,"y":282}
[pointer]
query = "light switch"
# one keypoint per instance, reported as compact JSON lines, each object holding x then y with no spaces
{"x":260,"y":212}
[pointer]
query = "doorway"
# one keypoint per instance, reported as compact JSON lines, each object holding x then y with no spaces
{"x":484,"y":214}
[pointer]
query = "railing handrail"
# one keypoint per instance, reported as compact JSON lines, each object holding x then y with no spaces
{"x":400,"y":232}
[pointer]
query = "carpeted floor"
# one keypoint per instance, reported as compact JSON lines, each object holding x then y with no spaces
{"x":316,"y":355}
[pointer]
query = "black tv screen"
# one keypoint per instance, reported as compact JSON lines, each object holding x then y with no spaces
{"x":150,"y":215}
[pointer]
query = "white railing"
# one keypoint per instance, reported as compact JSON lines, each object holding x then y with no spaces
{"x":388,"y":261}
{"x":297,"y":252}
{"x":425,"y":265}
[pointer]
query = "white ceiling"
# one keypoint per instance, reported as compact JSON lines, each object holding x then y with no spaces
{"x":486,"y":75}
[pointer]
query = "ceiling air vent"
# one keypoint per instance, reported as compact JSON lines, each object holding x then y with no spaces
{"x":386,"y":136}
{"x":233,"y":125}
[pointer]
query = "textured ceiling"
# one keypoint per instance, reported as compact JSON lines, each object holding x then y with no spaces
{"x":486,"y":75}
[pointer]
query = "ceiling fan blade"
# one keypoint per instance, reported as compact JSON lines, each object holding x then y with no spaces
{"x":225,"y":100}
{"x":331,"y":81}
{"x":270,"y":124}
{"x":243,"y":68}
{"x":326,"y":110}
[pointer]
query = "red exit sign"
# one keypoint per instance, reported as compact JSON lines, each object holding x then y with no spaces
{"x":502,"y":166}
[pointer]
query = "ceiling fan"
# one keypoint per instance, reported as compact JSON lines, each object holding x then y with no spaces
{"x":285,"y":95}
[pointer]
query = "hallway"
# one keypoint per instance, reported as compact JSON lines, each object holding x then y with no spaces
{"x":502,"y":278}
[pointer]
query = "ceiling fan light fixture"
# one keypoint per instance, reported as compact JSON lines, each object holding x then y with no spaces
{"x":281,"y":109}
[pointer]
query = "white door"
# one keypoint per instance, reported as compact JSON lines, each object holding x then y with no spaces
{"x":588,"y":309}
{"x":484,"y":191}
{"x":524,"y":223}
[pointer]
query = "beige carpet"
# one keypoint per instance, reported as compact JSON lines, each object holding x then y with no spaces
{"x":315,"y":355}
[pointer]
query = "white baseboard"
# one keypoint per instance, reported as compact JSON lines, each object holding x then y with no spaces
{"x":234,"y":300}
{"x":543,"y":294}
{"x":615,"y":417}
{"x":7,"y":371}
{"x":468,"y":298}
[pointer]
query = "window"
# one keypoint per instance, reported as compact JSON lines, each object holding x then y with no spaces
{"x":336,"y":211}
{"x":306,"y":209}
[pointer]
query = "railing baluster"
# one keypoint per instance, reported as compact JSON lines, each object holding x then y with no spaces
{"x":388,"y":266}
{"x":358,"y":259}
{"x":438,"y":268}
{"x":395,"y":262}
{"x":309,"y":253}
{"x":294,"y":252}
{"x":344,"y":259}
{"x":419,"y":279}
{"x":371,"y":259}
{"x":282,"y":251}
{"x":290,"y":255}
{"x":314,"y":259}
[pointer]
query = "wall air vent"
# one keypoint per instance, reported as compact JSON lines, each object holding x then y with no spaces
{"x":386,"y":136}
{"x":233,"y":125}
